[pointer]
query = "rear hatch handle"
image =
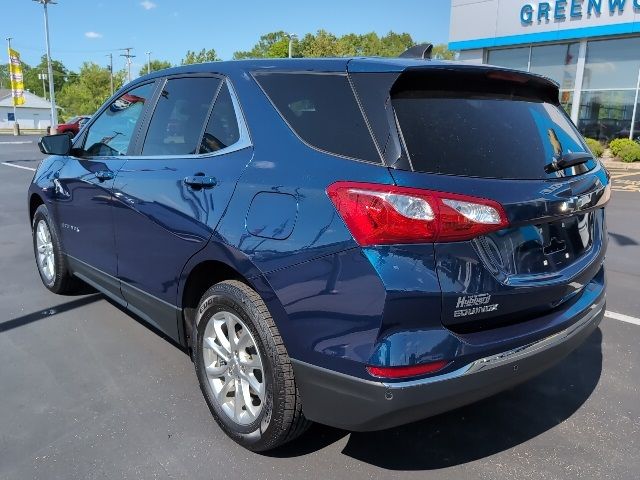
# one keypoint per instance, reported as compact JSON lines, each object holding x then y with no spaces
{"x":567,"y":160}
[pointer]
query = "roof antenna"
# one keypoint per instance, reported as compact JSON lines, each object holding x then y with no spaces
{"x":422,"y":51}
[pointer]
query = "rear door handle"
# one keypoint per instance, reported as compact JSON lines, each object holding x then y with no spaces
{"x":103,"y":175}
{"x":200,"y":181}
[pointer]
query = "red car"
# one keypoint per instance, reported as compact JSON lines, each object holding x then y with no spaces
{"x":73,"y":125}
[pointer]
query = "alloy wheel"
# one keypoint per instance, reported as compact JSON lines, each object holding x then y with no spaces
{"x":233,"y":367}
{"x":44,"y":248}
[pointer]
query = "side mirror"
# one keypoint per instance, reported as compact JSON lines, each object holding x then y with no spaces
{"x":55,"y":144}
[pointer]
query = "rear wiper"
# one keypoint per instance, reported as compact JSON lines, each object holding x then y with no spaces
{"x":567,"y":160}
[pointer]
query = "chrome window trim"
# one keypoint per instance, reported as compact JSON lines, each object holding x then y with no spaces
{"x":244,"y":140}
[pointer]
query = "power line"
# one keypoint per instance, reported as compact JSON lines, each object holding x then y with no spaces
{"x":128,"y":56}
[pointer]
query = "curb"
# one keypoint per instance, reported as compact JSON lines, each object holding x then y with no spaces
{"x":618,"y":165}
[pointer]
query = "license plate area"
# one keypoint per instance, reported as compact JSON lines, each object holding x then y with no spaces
{"x":539,"y":248}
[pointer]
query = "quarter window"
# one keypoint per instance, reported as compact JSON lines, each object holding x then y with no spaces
{"x":180,"y":115}
{"x":322,"y":110}
{"x":110,"y":134}
{"x":222,"y":129}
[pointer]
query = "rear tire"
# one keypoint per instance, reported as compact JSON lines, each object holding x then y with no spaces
{"x":244,"y":370}
{"x":50,"y":259}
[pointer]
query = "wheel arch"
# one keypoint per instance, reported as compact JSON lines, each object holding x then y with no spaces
{"x":35,"y":201}
{"x":216,"y":263}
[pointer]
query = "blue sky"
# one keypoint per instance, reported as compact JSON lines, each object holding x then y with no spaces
{"x":89,"y":29}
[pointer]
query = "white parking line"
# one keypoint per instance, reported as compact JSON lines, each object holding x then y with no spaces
{"x":16,"y":143}
{"x":622,"y":317}
{"x":18,"y":166}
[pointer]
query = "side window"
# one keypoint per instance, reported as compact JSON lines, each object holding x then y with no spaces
{"x":111,"y":133}
{"x":322,"y":110}
{"x":180,"y":115}
{"x":222,"y":129}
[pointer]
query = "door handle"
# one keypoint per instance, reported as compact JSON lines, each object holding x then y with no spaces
{"x":103,"y":175}
{"x":200,"y":181}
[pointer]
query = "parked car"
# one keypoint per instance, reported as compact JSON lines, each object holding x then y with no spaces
{"x":357,"y":242}
{"x":73,"y":125}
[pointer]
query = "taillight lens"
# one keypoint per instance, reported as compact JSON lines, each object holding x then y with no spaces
{"x":407,"y":371}
{"x":386,"y":214}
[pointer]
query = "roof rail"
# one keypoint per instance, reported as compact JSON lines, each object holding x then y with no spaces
{"x":422,"y":51}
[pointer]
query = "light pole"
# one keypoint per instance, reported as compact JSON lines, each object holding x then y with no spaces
{"x":291,"y":37}
{"x":52,"y":95}
{"x":16,"y":126}
{"x":148,"y":62}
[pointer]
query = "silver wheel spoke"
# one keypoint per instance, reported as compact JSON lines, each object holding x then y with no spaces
{"x":222,"y":394}
{"x":231,"y":332}
{"x":238,"y":400}
{"x":254,"y":384}
{"x":244,"y":340}
{"x":222,"y":338}
{"x":250,"y":408}
{"x":215,"y":371}
{"x":219,"y":350}
{"x":251,"y":363}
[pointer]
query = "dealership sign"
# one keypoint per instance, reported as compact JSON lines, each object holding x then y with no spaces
{"x":574,"y":9}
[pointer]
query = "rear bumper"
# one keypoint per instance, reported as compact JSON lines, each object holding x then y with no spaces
{"x":355,"y":404}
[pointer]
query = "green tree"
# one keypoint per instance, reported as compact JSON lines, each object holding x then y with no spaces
{"x":34,"y":84}
{"x":393,"y":44}
{"x":271,"y":45}
{"x":322,"y":44}
{"x":442,"y":52}
{"x":155,"y":66}
{"x":88,"y":90}
{"x":200,"y":57}
{"x":4,"y":76}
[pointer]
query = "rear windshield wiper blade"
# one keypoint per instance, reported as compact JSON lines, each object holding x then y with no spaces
{"x":568,"y":160}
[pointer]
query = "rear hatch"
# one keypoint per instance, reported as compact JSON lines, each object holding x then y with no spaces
{"x":498,"y":135}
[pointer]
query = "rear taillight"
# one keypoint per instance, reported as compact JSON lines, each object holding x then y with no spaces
{"x":407,"y":371}
{"x":386,"y":214}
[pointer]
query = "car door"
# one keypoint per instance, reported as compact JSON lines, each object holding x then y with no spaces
{"x":171,"y":197}
{"x":83,"y":188}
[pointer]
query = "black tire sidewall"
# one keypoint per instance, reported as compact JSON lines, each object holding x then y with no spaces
{"x":43,"y":214}
{"x":60,"y":282}
{"x":225,"y":297}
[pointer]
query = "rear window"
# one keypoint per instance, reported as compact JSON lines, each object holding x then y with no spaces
{"x":322,"y":110}
{"x":484,"y":134}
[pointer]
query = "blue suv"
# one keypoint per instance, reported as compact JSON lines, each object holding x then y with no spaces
{"x":357,"y":242}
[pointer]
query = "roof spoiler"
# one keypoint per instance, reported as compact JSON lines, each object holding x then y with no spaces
{"x":421,"y":51}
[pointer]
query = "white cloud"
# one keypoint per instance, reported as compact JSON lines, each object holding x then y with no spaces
{"x":93,"y":35}
{"x":148,"y":5}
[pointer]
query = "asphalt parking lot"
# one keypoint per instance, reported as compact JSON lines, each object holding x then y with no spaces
{"x":88,"y":392}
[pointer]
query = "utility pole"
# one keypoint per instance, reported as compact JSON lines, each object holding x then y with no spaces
{"x":148,"y":62}
{"x":128,"y":56}
{"x":43,"y":76}
{"x":111,"y":70}
{"x":16,"y":128}
{"x":52,"y":95}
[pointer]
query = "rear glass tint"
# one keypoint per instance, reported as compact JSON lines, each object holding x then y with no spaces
{"x":484,"y":135}
{"x":322,"y":110}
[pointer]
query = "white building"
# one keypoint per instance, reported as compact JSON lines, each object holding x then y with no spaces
{"x":590,"y":47}
{"x":35,"y":113}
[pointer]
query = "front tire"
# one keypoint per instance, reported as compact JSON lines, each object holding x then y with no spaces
{"x":244,"y":370}
{"x":50,"y":260}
